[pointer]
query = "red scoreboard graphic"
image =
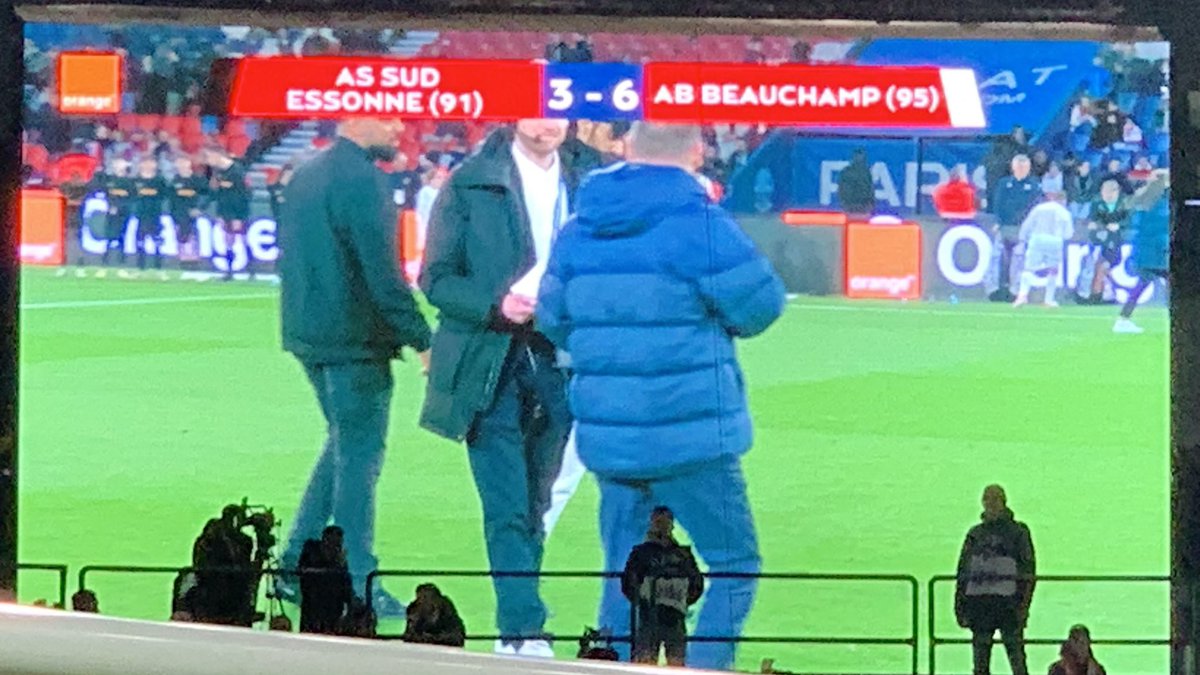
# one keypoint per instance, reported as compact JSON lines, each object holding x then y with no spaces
{"x":834,"y":96}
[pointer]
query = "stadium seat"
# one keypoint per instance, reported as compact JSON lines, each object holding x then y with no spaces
{"x":76,"y":162}
{"x":1126,"y":101}
{"x":35,"y":156}
{"x":1079,"y":141}
{"x":1160,"y":144}
{"x":149,"y":123}
{"x":172,"y":124}
{"x":237,"y":145}
{"x":126,"y":122}
{"x":190,"y":126}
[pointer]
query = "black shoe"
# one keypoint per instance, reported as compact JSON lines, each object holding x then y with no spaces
{"x":1002,"y":295}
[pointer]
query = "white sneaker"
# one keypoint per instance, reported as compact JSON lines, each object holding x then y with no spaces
{"x":1051,"y":303}
{"x":1127,"y":327}
{"x":80,"y":273}
{"x":1020,"y":302}
{"x":505,"y":648}
{"x":538,"y":649}
{"x":100,"y":274}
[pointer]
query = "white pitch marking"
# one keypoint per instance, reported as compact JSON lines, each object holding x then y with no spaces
{"x":80,"y":304}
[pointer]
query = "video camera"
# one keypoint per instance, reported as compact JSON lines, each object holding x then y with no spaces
{"x":261,"y":521}
{"x":596,"y":645}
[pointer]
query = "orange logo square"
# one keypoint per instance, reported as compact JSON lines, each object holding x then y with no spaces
{"x":42,"y":239}
{"x":89,"y":83}
{"x":883,"y":261}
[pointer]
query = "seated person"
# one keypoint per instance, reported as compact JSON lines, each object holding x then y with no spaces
{"x":433,"y":619}
{"x":1076,"y":656}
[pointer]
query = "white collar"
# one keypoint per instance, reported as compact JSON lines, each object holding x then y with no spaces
{"x":525,"y":164}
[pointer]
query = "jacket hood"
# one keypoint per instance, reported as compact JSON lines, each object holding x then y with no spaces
{"x":1006,"y":516}
{"x":625,"y":199}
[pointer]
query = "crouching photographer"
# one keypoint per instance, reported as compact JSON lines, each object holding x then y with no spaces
{"x":228,"y":565}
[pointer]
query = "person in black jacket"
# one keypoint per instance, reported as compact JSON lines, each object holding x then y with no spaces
{"x":1106,"y":235}
{"x":346,"y":313}
{"x":118,"y":192}
{"x":224,"y":572}
{"x":231,"y":194}
{"x":187,"y":195}
{"x":856,"y":188}
{"x":275,"y":190}
{"x":662,"y":580}
{"x":996,"y":576}
{"x":150,"y":193}
{"x":433,"y":619}
{"x":325,"y":589}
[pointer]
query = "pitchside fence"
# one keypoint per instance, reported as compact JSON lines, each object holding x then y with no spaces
{"x":906,"y":635}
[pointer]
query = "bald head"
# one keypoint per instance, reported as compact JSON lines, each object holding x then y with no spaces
{"x":677,"y":145}
{"x":375,"y":135}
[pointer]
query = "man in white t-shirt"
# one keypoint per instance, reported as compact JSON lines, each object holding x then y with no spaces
{"x":1044,"y":235}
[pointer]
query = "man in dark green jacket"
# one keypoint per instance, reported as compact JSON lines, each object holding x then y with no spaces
{"x":494,"y":380}
{"x":997,"y":572}
{"x":346,"y":313}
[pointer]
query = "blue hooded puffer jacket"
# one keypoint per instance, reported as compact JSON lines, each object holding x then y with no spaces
{"x":646,"y":289}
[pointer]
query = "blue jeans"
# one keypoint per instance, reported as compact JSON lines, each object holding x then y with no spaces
{"x":355,"y":399}
{"x":515,"y":457}
{"x":710,"y":502}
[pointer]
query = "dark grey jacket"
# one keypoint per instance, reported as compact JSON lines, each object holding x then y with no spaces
{"x":343,"y":297}
{"x":479,"y":243}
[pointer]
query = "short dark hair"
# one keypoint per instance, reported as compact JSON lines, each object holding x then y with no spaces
{"x":332,"y":530}
{"x":662,"y":511}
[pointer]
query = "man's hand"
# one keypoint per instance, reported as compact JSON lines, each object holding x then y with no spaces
{"x":425,"y":360}
{"x":518,"y":308}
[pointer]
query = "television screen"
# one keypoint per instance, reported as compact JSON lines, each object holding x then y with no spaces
{"x":969,"y":233}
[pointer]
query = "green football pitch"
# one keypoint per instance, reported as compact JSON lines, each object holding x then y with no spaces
{"x":146,"y":406}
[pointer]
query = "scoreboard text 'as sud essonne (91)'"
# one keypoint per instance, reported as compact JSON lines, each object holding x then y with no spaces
{"x":505,"y":90}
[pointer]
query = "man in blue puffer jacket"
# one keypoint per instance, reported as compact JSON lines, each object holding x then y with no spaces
{"x":646,"y":290}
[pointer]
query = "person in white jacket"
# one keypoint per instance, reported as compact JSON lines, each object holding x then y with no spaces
{"x":1044,"y":236}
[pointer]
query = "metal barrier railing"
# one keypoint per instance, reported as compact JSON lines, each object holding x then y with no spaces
{"x":59,"y":570}
{"x":935,"y":641}
{"x":911,"y":640}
